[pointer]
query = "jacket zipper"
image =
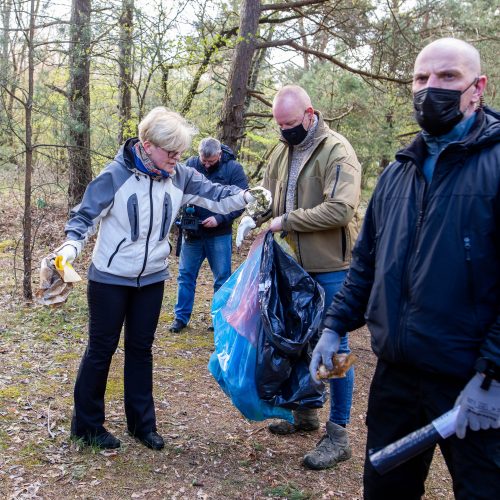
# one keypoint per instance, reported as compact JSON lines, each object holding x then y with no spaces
{"x":149,"y":230}
{"x":344,"y":243}
{"x":409,"y":258}
{"x":336,"y":180}
{"x":115,"y":252}
{"x":468,"y":263}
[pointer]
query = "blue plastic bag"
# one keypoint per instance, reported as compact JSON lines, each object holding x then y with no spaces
{"x":237,"y":323}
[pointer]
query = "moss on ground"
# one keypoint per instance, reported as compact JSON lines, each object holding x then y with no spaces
{"x":11,"y":392}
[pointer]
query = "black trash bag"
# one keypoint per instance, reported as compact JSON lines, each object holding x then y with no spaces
{"x":291,"y":308}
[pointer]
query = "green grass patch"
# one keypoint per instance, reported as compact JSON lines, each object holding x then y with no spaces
{"x":31,"y":454}
{"x":6,"y":247}
{"x":4,"y":439}
{"x":66,"y":356}
{"x":114,"y":388}
{"x":11,"y":392}
{"x":289,"y":491}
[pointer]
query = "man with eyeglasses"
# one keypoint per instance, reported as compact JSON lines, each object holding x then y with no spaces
{"x":213,"y":238}
{"x":315,"y":179}
{"x":425,"y":278}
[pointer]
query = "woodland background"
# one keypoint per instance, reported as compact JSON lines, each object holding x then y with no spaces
{"x":76,"y":76}
{"x":75,"y":79}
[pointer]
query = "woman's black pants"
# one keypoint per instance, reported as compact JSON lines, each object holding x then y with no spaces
{"x":110,"y":307}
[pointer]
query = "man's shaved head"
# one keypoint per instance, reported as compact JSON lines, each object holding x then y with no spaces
{"x":292,"y":95}
{"x":291,"y":106}
{"x":458,"y":50}
{"x":449,"y":63}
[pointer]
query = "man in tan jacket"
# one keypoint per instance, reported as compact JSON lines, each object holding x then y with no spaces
{"x":315,"y":178}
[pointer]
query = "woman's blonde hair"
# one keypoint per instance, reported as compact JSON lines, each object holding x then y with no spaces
{"x":167,"y":130}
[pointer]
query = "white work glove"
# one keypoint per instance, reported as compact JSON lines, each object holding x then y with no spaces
{"x":328,"y":345}
{"x":68,"y":251}
{"x":479,"y":408}
{"x":244,"y":227}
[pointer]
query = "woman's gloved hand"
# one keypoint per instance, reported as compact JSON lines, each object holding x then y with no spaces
{"x":68,"y":251}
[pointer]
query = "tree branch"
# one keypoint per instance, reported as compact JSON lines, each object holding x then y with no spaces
{"x":290,"y":5}
{"x":57,"y":89}
{"x":339,"y":117}
{"x":334,"y":60}
{"x":65,"y":146}
{"x":257,"y":96}
{"x":258,"y":115}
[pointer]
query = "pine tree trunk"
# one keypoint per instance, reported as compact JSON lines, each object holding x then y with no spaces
{"x":28,"y":107}
{"x":126,"y":70}
{"x":231,"y":124}
{"x":80,"y":169}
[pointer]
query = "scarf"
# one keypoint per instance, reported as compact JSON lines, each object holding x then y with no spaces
{"x":144,"y":163}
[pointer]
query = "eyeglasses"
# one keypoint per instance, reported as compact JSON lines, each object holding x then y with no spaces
{"x":210,"y":161}
{"x":171,"y":154}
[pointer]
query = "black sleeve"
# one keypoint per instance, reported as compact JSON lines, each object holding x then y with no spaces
{"x":347,"y":311}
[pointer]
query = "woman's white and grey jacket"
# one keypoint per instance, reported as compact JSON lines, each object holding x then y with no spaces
{"x":136,"y":212}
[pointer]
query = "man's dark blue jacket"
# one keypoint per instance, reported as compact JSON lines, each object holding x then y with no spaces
{"x":227,"y":172}
{"x":425,"y":273}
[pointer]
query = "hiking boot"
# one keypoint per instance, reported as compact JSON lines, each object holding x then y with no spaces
{"x":103,"y":441}
{"x":177,"y":325}
{"x":332,"y":449}
{"x":305,"y":420}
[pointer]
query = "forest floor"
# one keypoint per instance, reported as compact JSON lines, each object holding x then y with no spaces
{"x":211,"y":450}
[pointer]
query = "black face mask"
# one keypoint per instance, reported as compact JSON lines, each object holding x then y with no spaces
{"x":437,"y":110}
{"x":294,"y":135}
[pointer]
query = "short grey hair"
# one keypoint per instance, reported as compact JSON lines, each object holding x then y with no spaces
{"x":167,"y":130}
{"x":209,"y":147}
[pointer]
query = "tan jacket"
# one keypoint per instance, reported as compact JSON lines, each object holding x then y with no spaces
{"x":323,"y":226}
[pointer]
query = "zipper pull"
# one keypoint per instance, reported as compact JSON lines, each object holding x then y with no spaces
{"x":420,"y":218}
{"x":467,"y":246}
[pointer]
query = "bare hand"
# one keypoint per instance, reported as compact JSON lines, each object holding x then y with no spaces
{"x":276,"y":225}
{"x":210,"y":222}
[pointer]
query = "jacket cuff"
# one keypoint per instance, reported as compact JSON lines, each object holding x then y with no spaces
{"x":284,"y":222}
{"x":77,"y":245}
{"x":332,"y":324}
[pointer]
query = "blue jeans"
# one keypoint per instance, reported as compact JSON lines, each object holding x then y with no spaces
{"x":341,"y":388}
{"x":217,"y":250}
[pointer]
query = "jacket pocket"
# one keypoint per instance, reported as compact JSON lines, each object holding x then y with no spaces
{"x":116,"y":251}
{"x":133,"y":216}
{"x":337,"y":175}
{"x":167,"y":216}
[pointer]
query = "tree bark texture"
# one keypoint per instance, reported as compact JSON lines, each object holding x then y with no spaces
{"x":231,"y":125}
{"x":80,"y":169}
{"x":126,"y":71}
{"x":28,"y":137}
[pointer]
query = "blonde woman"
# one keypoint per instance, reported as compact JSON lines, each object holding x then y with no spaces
{"x":133,"y":202}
